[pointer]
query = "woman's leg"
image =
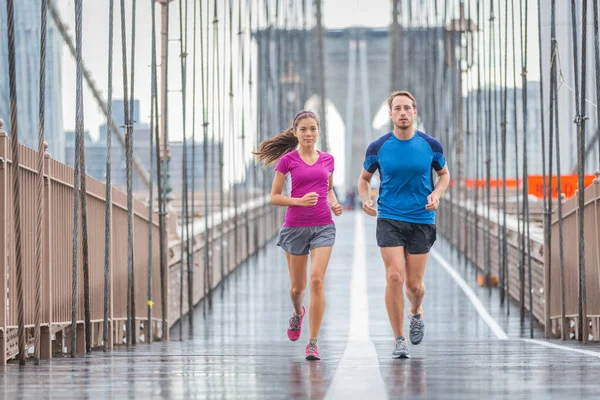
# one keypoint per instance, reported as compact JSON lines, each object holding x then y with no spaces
{"x":297,"y":268}
{"x":319,"y":261}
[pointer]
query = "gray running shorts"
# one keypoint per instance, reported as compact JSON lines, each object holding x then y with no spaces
{"x":299,"y":240}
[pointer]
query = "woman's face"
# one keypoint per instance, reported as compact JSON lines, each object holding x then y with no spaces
{"x":307,"y":132}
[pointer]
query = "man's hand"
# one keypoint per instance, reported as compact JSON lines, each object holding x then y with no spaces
{"x":337,"y":209}
{"x":433,"y":202}
{"x":369,"y":209}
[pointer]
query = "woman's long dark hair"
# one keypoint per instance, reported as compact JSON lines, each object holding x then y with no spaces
{"x":271,"y":150}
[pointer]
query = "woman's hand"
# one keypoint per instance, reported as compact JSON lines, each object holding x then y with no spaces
{"x":337,"y":209}
{"x":308,"y":200}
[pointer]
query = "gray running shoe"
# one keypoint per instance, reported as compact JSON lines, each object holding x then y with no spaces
{"x":417,"y":328}
{"x":401,"y":349}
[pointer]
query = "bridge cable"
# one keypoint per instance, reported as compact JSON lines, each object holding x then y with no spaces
{"x":488,"y":160}
{"x":85,"y":247}
{"x":183,"y":33}
{"x":191,"y":256}
{"x":16,"y":180}
{"x":165,"y":176}
{"x":108,"y":184}
{"x":479,"y":130}
{"x":580,"y":119}
{"x":153,"y":124}
{"x":516,"y":149}
{"x":76,"y":180}
{"x":496,"y":91}
{"x":504,"y":270}
{"x":554,"y":123}
{"x":204,"y":79}
{"x":40,"y":185}
{"x":242,"y":46}
{"x":232,"y":133}
{"x":127,"y":125}
{"x":216,"y":126}
{"x":130,"y":166}
{"x":252,"y":29}
{"x":526,"y":239}
{"x":546,"y":185}
{"x":470,"y":150}
{"x":597,"y":58}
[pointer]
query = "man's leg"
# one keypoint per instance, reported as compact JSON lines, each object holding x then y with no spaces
{"x":393,"y":258}
{"x":415,"y":289}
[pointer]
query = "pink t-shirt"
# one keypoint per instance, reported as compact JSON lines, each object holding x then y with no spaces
{"x":305,"y":179}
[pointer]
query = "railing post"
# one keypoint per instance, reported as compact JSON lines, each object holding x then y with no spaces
{"x":3,"y":240}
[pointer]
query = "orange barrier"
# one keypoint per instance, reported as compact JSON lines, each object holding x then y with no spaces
{"x":568,"y":185}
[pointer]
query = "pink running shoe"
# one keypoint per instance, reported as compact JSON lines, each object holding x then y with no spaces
{"x":295,"y":329}
{"x":312,"y":351}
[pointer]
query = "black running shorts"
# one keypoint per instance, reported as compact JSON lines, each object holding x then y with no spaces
{"x":416,"y":238}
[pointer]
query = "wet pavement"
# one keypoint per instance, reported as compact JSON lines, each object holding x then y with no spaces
{"x":239,"y":348}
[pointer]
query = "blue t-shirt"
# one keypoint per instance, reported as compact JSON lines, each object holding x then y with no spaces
{"x":406,"y":177}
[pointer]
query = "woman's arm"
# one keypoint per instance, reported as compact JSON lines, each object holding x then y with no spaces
{"x":277,"y":199}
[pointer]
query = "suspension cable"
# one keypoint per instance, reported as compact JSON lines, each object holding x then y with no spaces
{"x":547,"y":200}
{"x":205,"y":140}
{"x":516,"y":130}
{"x":108,"y":203}
{"x":77,"y":172}
{"x":554,"y":107}
{"x":16,"y":181}
{"x":40,"y":184}
{"x":580,"y":119}
{"x":526,"y":239}
{"x":153,"y":121}
{"x":505,"y":270}
{"x":127,"y":126}
{"x":184,"y":217}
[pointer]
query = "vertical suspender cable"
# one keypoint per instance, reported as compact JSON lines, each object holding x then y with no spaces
{"x":232,"y":199}
{"x":164,"y":175}
{"x":597,"y":58}
{"x":488,"y":162}
{"x":526,"y":239}
{"x":547,"y":195}
{"x":184,"y":194}
{"x":76,"y":180}
{"x":131,"y":127}
{"x":516,"y":130}
{"x":580,"y":119}
{"x":554,"y":122}
{"x":321,"y":79}
{"x":205,"y":145}
{"x":191,"y":261}
{"x":504,"y":279}
{"x":108,"y":204}
{"x":241,"y":44}
{"x":153,"y":123}
{"x":130,"y":322}
{"x":14,"y":135}
{"x":479,"y":132}
{"x":40,"y":184}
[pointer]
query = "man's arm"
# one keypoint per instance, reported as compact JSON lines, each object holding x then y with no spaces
{"x":364,"y":191}
{"x":433,"y":200}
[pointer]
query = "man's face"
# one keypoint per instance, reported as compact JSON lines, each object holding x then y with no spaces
{"x":403,"y":113}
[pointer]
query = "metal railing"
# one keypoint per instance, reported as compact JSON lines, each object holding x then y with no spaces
{"x":229,"y":240}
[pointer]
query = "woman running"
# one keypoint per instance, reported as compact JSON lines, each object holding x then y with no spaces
{"x":308,"y":226}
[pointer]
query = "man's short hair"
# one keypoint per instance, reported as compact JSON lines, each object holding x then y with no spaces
{"x":401,"y":93}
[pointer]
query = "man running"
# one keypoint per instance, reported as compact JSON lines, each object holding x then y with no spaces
{"x":407,"y":202}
